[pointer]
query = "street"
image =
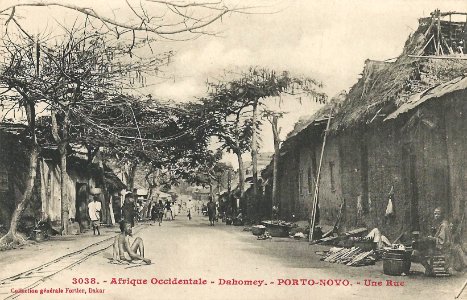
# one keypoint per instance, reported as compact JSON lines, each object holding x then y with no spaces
{"x":233,"y":265}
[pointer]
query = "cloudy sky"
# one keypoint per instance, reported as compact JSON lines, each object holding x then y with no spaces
{"x":325,"y":39}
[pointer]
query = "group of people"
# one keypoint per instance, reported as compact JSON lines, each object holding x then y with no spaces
{"x":159,"y":209}
{"x":122,"y":245}
{"x":129,"y":211}
{"x":444,"y":241}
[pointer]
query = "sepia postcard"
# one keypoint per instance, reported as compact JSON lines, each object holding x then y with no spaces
{"x":233,"y":149}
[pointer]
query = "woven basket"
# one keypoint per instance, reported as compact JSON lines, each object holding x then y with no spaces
{"x":258,"y":230}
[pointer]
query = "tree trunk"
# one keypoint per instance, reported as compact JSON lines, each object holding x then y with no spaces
{"x":62,"y":149}
{"x":62,"y":141}
{"x":241,"y":174}
{"x":12,"y":238}
{"x":219,"y":186}
{"x":106,"y":218}
{"x":254,"y":157}
{"x":275,"y":180}
{"x":229,"y":182}
{"x":130,"y":176}
{"x":211,"y":191}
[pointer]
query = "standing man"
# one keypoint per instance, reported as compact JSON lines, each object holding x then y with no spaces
{"x":94,"y":210}
{"x":168,"y":210}
{"x":211,"y":211}
{"x":189,"y":208}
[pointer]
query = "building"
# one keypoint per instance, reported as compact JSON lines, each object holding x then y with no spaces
{"x":399,"y":133}
{"x":45,"y":203}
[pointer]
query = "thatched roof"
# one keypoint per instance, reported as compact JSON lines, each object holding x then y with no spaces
{"x":310,"y":124}
{"x":388,"y":89}
{"x":457,"y":84}
{"x":385,"y":86}
{"x":392,"y":88}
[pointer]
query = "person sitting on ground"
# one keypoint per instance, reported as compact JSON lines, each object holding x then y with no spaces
{"x":378,"y":238}
{"x":238,"y":220}
{"x":122,"y":245}
{"x":94,"y":210}
{"x":437,"y":243}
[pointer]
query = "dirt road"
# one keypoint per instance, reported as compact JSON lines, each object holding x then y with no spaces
{"x":192,"y":260}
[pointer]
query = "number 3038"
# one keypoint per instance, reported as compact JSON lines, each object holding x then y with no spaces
{"x":84,"y":281}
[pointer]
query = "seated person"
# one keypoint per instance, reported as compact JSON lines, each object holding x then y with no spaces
{"x":238,"y":221}
{"x":122,"y":245}
{"x":437,"y":243}
{"x":378,"y":238}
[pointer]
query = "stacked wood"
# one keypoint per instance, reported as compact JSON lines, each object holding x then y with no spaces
{"x":439,"y":266}
{"x":354,"y":256}
{"x":363,"y":259}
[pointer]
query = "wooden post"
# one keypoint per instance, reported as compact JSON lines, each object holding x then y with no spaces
{"x":316,"y":193}
{"x":438,"y":35}
{"x":461,"y":290}
{"x":275,"y":179}
{"x":254,"y":161}
{"x":450,"y":32}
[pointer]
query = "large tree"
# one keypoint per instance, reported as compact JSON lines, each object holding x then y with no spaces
{"x":255,"y":87}
{"x":273,"y":118}
{"x":231,"y":124}
{"x":72,"y":77}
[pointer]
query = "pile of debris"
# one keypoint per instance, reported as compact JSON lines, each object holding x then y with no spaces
{"x":264,"y":236}
{"x":332,"y":238}
{"x":278,"y":223}
{"x":354,"y":256}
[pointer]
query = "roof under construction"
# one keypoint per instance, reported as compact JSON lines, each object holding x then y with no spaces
{"x":433,"y":61}
{"x":433,"y":55}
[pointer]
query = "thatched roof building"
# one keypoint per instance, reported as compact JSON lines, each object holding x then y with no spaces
{"x":400,"y":129}
{"x":385,"y":86}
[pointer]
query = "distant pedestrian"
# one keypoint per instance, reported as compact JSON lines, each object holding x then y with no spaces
{"x":168,"y":210}
{"x":94,"y":210}
{"x":175,"y":209}
{"x":157,"y":212}
{"x":211,"y":211}
{"x":189,"y":207}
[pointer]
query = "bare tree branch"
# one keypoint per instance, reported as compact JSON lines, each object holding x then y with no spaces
{"x":188,"y":23}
